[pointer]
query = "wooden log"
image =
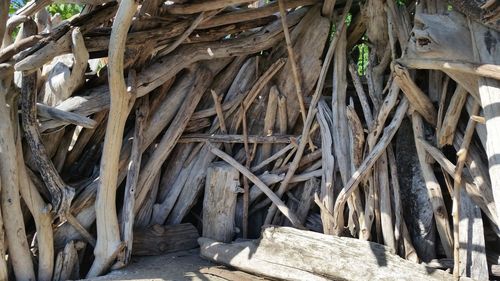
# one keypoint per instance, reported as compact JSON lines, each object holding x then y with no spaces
{"x":466,"y":67}
{"x":59,"y":42}
{"x":327,"y":194}
{"x":108,"y":234}
{"x":173,"y":133}
{"x":127,"y":223}
{"x":274,"y":198}
{"x":178,"y":205}
{"x":5,"y":127}
{"x":95,"y":99}
{"x":251,"y":14}
{"x":4,"y":15}
{"x":489,"y":92}
{"x":451,"y":117}
{"x":433,"y":188}
{"x":41,"y":214}
{"x":11,"y":201}
{"x":160,"y":240}
{"x":303,"y":200}
{"x":237,"y":138}
{"x":193,"y":8}
{"x":291,"y":254}
{"x":66,"y":262}
{"x":48,"y":112}
{"x":369,"y":161}
{"x":310,"y":114}
{"x":219,"y":202}
{"x":419,"y":101}
{"x":472,"y":245}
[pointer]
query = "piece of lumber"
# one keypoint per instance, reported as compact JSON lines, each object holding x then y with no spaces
{"x":219,"y":202}
{"x":159,"y":240}
{"x":292,"y":254}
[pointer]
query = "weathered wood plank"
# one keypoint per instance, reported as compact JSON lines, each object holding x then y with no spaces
{"x":159,"y":240}
{"x":219,"y":202}
{"x":292,"y":254}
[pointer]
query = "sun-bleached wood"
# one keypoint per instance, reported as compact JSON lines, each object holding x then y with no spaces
{"x":219,"y":202}
{"x":291,"y":254}
{"x":108,"y":235}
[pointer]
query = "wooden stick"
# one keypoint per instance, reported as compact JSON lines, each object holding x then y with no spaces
{"x":367,"y":112}
{"x":184,"y":35}
{"x":326,"y":201}
{"x":193,"y":8}
{"x":262,"y":186}
{"x":246,"y":187}
{"x":365,"y":167}
{"x":273,"y":157}
{"x":269,"y":120}
{"x":419,"y":101}
{"x":447,"y":132}
{"x":63,"y":116}
{"x":433,"y":189}
{"x":236,"y":138}
{"x":462,"y":156}
{"x":293,"y":62}
{"x":311,"y":113}
{"x":9,"y":187}
{"x":442,"y":101}
{"x":134,"y":166}
{"x":4,"y":15}
{"x":252,"y":14}
{"x":108,"y":234}
{"x":173,"y":133}
{"x":480,"y":69}
{"x":220,"y":115}
{"x":76,"y":225}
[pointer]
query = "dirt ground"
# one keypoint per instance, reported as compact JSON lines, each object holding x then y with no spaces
{"x":183,"y":265}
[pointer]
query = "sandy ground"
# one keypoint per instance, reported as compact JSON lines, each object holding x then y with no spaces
{"x":184,"y":265}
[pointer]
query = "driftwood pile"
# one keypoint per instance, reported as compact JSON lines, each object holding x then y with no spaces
{"x":133,"y":126}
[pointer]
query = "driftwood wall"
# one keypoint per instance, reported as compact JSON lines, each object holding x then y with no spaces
{"x":133,"y":127}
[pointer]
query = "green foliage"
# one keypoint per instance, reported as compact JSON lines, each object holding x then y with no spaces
{"x":16,"y":5}
{"x":362,"y":58}
{"x":65,"y":10}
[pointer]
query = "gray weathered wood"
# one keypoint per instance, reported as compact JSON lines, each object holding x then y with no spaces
{"x":159,"y":240}
{"x":219,"y":202}
{"x":292,"y":254}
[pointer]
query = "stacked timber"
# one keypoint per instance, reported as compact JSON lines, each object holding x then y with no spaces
{"x":353,"y":127}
